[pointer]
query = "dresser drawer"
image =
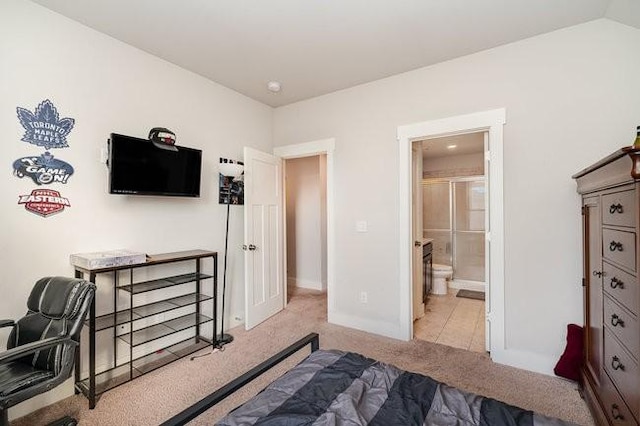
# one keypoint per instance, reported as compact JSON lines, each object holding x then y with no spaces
{"x":619,"y":208}
{"x":613,"y":405}
{"x":619,"y":247}
{"x":622,"y":286}
{"x":622,"y":369}
{"x":622,"y":324}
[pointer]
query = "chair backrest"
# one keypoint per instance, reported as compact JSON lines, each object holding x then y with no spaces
{"x":57,"y":307}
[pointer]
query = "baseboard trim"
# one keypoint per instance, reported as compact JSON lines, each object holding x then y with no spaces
{"x":381,"y":328}
{"x":524,"y":360}
{"x":467,"y":285}
{"x":308,"y":284}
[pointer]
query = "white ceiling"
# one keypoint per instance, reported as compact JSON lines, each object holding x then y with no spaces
{"x":314,"y":47}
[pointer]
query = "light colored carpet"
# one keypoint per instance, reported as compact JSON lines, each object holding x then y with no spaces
{"x":157,"y":396}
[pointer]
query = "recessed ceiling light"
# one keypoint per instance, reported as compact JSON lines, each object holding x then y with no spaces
{"x":451,"y":146}
{"x":274,"y":86}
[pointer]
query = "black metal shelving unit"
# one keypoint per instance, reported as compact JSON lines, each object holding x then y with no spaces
{"x":97,"y":383}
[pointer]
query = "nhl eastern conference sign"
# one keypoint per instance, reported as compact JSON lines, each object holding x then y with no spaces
{"x":44,"y":202}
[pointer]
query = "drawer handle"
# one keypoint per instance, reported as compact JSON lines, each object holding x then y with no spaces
{"x":597,"y":274}
{"x":615,"y":208}
{"x":616,"y":321}
{"x":614,"y":245}
{"x":616,"y":364}
{"x":615,"y":412}
{"x":615,"y":283}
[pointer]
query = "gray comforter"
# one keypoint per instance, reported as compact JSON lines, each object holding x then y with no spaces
{"x":343,"y":388}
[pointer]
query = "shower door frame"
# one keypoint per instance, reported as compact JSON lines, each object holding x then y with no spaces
{"x":452,"y":208}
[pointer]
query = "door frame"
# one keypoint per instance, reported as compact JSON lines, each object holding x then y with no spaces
{"x":308,"y":149}
{"x":491,"y":121}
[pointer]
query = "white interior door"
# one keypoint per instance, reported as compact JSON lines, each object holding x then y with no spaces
{"x":418,"y":277}
{"x":263,"y":236}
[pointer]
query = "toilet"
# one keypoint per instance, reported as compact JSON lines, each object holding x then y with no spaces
{"x":441,"y":276}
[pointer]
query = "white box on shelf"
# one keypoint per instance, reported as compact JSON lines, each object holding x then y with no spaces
{"x":105,"y":259}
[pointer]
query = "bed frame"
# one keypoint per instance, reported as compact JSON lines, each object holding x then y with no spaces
{"x":312,"y":339}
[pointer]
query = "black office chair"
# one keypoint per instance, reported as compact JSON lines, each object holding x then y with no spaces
{"x":41,"y":346}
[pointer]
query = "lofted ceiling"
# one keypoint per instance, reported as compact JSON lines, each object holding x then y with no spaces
{"x":314,"y":47}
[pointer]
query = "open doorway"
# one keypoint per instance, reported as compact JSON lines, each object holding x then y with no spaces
{"x":320,"y":152}
{"x":454,"y":215}
{"x":306,"y":224}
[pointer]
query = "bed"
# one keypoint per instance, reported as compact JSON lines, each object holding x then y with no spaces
{"x":332,"y":387}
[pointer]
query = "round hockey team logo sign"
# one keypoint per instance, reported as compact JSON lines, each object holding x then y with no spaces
{"x":44,"y":202}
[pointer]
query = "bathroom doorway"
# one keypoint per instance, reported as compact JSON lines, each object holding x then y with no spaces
{"x":492,"y":122}
{"x":454,"y":201}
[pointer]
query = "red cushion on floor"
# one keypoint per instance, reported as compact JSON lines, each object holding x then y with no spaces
{"x":569,"y":364}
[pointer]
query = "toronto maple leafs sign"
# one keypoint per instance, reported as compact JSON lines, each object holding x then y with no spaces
{"x":44,"y":127}
{"x":43,"y":169}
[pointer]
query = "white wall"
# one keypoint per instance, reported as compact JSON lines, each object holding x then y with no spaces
{"x":571,"y":97}
{"x":108,"y":86}
{"x":305,"y":207}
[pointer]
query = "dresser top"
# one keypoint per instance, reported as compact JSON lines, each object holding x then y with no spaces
{"x":619,"y":168}
{"x":628,"y":150}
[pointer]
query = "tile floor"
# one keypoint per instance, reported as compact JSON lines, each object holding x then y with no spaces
{"x":453,"y":321}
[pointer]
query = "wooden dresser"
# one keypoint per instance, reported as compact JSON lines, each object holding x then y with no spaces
{"x":610,"y":192}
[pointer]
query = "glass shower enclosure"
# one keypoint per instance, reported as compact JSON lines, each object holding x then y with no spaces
{"x":454,"y":216}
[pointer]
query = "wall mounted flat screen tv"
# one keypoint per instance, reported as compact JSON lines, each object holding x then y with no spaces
{"x":139,"y":167}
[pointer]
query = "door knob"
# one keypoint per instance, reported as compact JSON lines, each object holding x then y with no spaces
{"x":252,"y":247}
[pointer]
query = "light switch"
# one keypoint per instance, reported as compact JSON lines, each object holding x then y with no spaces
{"x":361,"y":226}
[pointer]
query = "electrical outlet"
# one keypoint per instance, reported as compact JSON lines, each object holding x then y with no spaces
{"x":363,"y":297}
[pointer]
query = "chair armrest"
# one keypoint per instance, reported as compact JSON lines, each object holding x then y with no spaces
{"x":7,"y":323}
{"x":20,"y":351}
